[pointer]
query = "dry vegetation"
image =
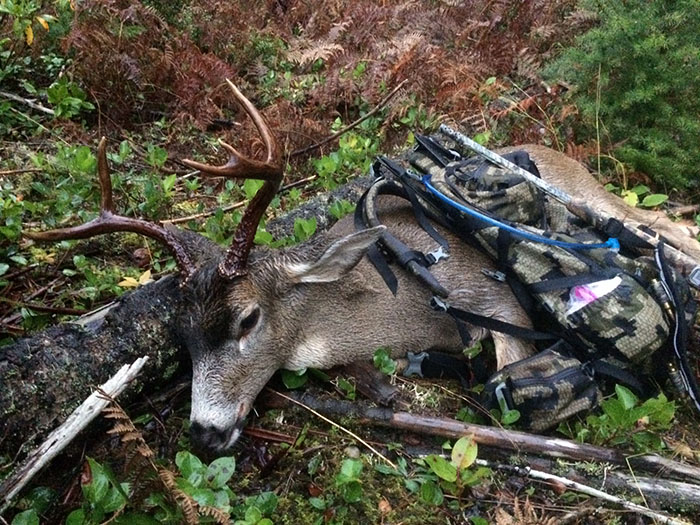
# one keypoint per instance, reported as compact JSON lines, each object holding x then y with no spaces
{"x":161,"y":65}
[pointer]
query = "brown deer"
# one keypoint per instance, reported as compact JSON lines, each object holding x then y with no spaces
{"x":322,"y":304}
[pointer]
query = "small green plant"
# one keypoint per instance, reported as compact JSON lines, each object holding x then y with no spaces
{"x":304,"y":229}
{"x":639,"y":195}
{"x":348,"y":480}
{"x":626,"y":422}
{"x":294,"y":379}
{"x":383,"y":361}
{"x":341,"y":208}
{"x":434,"y":475}
{"x":355,"y":153}
{"x":67,"y":99}
{"x":103,"y":495}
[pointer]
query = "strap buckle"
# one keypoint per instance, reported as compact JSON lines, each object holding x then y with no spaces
{"x":694,"y":277}
{"x":438,"y":304}
{"x":501,"y":397}
{"x":437,"y":255}
{"x":494,"y":274}
{"x":415,"y":362}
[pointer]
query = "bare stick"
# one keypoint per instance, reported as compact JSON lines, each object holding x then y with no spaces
{"x":584,"y":489}
{"x":336,"y":425}
{"x":236,"y":205}
{"x":354,"y":124}
{"x":499,"y":438}
{"x":25,"y":170}
{"x":27,"y":102}
{"x":64,"y":434}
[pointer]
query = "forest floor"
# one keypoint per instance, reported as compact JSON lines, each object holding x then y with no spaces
{"x":152,"y":81}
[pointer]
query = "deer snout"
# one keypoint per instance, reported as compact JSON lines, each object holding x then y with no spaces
{"x":214,"y":432}
{"x":213,"y":440}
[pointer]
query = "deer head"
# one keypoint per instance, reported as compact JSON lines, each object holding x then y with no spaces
{"x":242,"y":319}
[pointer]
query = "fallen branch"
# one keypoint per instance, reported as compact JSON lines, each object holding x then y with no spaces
{"x":64,"y":434}
{"x":350,"y":126}
{"x":339,"y":427}
{"x":27,"y":102}
{"x":23,"y":170}
{"x":583,"y":489}
{"x":235,"y":205}
{"x":499,"y":438}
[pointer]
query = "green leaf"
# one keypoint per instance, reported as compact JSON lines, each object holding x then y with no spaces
{"x":294,"y":378}
{"x":220,"y":471}
{"x":482,"y":138}
{"x":641,"y":189}
{"x":251,"y":187}
{"x":132,"y":518}
{"x":318,"y":503}
{"x":304,"y":228}
{"x":478,"y":520}
{"x":191,"y":467}
{"x":3,"y":268}
{"x":77,"y":517}
{"x":653,"y":200}
{"x":350,"y":470}
{"x":263,"y":237}
{"x":113,"y":500}
{"x":431,"y":493}
{"x":630,"y":197}
{"x":28,"y":517}
{"x":442,"y":468}
{"x":464,"y":452}
{"x":156,"y":156}
{"x":510,"y":416}
{"x":97,"y":489}
{"x":168,"y":183}
{"x":626,"y":397}
{"x":266,"y":502}
{"x":351,"y":491}
{"x":383,"y":362}
{"x":253,"y":515}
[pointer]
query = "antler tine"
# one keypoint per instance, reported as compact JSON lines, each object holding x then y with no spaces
{"x":109,"y":222}
{"x":239,"y":166}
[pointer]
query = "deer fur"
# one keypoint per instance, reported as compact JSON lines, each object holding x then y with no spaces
{"x":322,"y":304}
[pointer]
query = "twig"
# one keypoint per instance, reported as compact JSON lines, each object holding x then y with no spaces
{"x":336,"y":425}
{"x":27,"y":102}
{"x":64,"y":434}
{"x":46,"y":309}
{"x":584,"y":489}
{"x":25,"y":170}
{"x":679,"y":210}
{"x":354,"y":124}
{"x":239,"y":204}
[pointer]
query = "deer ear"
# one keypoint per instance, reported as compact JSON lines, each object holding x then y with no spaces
{"x":338,"y":259}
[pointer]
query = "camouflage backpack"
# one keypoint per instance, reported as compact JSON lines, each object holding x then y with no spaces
{"x":606,"y":309}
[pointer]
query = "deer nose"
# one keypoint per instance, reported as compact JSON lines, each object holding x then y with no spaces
{"x":212,"y":440}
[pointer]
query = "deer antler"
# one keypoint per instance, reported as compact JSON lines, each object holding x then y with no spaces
{"x":108,"y":221}
{"x":238,"y":166}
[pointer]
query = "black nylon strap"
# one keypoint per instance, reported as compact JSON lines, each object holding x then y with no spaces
{"x":560,"y":283}
{"x":494,"y":324}
{"x":616,"y":228}
{"x":436,"y":151}
{"x":620,"y":376}
{"x":375,"y":257}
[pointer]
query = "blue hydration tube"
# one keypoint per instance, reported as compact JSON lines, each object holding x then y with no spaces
{"x":612,"y":243}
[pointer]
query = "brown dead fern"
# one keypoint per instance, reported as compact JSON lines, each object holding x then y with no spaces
{"x":137,"y":450}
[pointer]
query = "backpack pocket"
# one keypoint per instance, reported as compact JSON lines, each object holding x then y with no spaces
{"x":546,"y":389}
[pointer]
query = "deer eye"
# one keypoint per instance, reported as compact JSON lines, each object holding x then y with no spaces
{"x":248,"y":322}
